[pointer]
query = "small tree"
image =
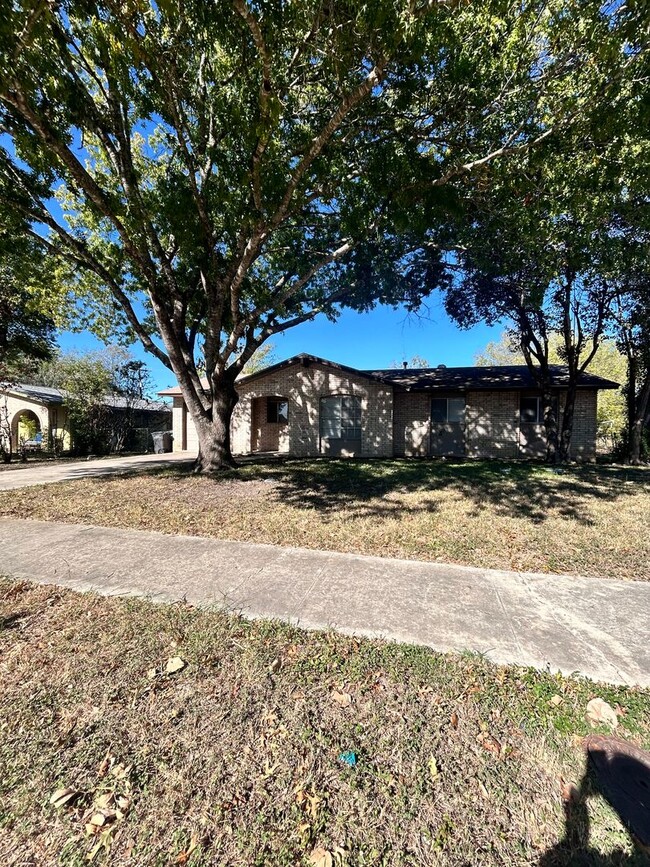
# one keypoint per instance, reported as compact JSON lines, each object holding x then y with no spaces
{"x":91,"y":383}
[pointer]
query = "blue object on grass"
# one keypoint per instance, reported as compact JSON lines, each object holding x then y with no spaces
{"x":349,"y":758}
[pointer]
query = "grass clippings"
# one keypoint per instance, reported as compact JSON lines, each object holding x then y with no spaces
{"x":242,"y":755}
{"x":592,"y":521}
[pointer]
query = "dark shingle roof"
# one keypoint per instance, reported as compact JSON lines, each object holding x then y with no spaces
{"x":507,"y":376}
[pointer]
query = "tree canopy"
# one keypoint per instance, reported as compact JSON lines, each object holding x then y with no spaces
{"x":28,"y":312}
{"x":558,"y":238}
{"x":217,"y":173}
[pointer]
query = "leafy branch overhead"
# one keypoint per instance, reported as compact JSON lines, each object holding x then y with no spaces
{"x":223,"y":172}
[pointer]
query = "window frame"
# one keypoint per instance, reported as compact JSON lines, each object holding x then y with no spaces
{"x":539,"y":418}
{"x":277,"y":402}
{"x":446,"y":420}
{"x":343,"y":431}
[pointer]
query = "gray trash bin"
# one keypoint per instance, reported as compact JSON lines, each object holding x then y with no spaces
{"x":158,"y":442}
{"x":167,"y":440}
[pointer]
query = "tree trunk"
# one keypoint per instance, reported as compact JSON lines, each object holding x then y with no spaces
{"x":550,"y":424}
{"x":564,"y":452}
{"x":642,"y":405}
{"x":630,"y":393}
{"x":215,"y":452}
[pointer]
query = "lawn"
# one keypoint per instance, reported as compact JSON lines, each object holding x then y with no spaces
{"x":592,"y":520}
{"x":266,"y":745}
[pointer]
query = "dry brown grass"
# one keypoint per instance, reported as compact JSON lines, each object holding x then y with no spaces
{"x":458,"y":762}
{"x":592,"y":521}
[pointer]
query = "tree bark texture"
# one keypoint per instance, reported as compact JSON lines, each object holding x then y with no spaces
{"x":213,"y":431}
{"x":638,"y":422}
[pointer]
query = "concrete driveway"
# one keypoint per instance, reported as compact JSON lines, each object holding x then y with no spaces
{"x":64,"y":470}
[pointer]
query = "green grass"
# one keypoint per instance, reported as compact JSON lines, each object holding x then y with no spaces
{"x":237,"y":756}
{"x":592,"y":520}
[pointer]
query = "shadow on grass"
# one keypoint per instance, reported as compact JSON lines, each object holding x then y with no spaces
{"x":12,"y":621}
{"x":369,"y":488}
{"x":376,"y":488}
{"x":574,"y":849}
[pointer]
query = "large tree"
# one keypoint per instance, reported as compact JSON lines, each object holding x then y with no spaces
{"x":228,"y":170}
{"x":545,"y":249}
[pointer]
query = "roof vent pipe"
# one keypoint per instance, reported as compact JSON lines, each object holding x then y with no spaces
{"x":442,"y":367}
{"x":405,"y":364}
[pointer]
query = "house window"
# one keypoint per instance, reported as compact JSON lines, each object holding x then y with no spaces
{"x":277,"y":411}
{"x":340,"y":417}
{"x":531,"y":410}
{"x":448,"y":410}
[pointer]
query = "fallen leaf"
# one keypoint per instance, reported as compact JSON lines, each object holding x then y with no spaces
{"x":184,"y":856}
{"x":119,"y":771}
{"x":105,"y":764}
{"x":174,"y":664}
{"x":454,"y":720}
{"x":312,"y":800}
{"x":105,"y":801}
{"x":489,"y":743}
{"x":123,"y":803}
{"x":555,"y":700}
{"x":152,"y":673}
{"x":275,"y":665}
{"x":343,"y":699}
{"x":433,"y":767}
{"x":482,"y":789}
{"x":62,"y":797}
{"x":601,"y":713}
{"x":321,"y":857}
{"x":98,"y":819}
{"x":104,"y":843}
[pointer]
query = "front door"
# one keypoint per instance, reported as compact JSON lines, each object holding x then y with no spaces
{"x":269,"y":415}
{"x":448,"y":426}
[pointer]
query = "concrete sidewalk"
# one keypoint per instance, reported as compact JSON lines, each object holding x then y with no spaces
{"x":598,"y":628}
{"x":64,"y":470}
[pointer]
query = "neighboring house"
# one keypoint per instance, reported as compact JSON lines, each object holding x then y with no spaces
{"x":37,"y":414}
{"x":309,"y":406}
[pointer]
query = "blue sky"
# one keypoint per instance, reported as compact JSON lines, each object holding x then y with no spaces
{"x":364,"y":340}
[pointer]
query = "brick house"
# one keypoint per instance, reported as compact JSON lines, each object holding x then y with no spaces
{"x":308,"y":406}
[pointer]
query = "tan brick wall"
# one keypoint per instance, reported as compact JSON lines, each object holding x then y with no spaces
{"x":265,"y":435}
{"x":411,"y":423}
{"x":492,"y":424}
{"x":303,"y":387}
{"x":391,"y":425}
{"x":50,"y":418}
{"x":532,"y":439}
{"x":177,"y":425}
